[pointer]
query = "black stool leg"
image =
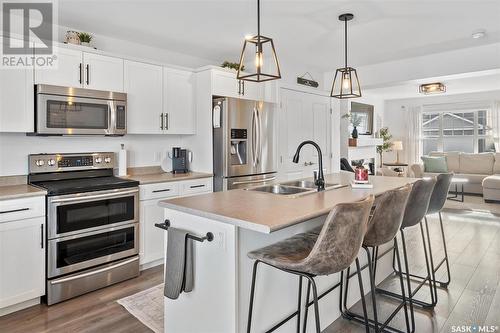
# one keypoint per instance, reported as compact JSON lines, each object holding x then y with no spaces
{"x":396,"y":250}
{"x":307,"y":307}
{"x":252,"y":292}
{"x":433,"y":274}
{"x":316,"y":306}
{"x":372,"y":287}
{"x":299,"y":304}
{"x":362,"y":292}
{"x":444,"y":284}
{"x":408,"y":280}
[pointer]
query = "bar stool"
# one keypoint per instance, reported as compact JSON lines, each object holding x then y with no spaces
{"x":383,"y":228}
{"x":436,"y":204}
{"x":308,"y":255}
{"x":415,"y":211}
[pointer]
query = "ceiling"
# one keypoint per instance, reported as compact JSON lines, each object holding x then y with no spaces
{"x":306,"y":32}
{"x":455,"y":84}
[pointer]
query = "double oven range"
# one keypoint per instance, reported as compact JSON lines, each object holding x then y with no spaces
{"x":92,"y":222}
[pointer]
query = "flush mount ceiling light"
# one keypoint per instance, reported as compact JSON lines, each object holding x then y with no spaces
{"x":478,"y":34}
{"x":262,"y":45}
{"x":432,"y":88}
{"x":345,"y":83}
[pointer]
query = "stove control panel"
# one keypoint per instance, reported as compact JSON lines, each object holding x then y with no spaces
{"x":39,"y":163}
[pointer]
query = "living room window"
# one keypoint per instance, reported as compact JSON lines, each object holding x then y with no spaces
{"x":464,"y":131}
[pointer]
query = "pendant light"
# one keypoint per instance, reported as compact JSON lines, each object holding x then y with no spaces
{"x":345,"y":83}
{"x":262,"y":45}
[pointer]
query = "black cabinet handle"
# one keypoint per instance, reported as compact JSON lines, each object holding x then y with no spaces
{"x":164,"y":190}
{"x":80,"y":73}
{"x":243,"y":84}
{"x":239,"y":87}
{"x":88,"y":73}
{"x":41,"y":236}
{"x":14,"y":210}
{"x":196,"y":186}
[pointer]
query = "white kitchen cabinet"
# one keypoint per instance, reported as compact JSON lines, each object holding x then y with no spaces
{"x":303,"y":116}
{"x":16,"y":100}
{"x":103,"y":72}
{"x":143,"y":85}
{"x":151,"y":246}
{"x":178,"y":101}
{"x":83,"y":70}
{"x":22,"y":253}
{"x":67,"y":73}
{"x":225,"y":84}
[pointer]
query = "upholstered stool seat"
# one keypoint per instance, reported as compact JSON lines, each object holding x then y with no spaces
{"x":289,"y":253}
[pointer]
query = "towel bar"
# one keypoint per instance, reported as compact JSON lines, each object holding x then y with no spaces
{"x":165,"y":225}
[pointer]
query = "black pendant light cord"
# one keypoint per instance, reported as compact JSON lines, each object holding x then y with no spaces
{"x":258,"y":25}
{"x":345,"y":41}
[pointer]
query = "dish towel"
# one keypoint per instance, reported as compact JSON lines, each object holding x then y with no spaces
{"x":179,"y":266}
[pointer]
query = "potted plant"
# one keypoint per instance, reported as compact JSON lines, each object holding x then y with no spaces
{"x":85,"y":38}
{"x":355,"y":121}
{"x":386,"y":145}
{"x":232,"y":65}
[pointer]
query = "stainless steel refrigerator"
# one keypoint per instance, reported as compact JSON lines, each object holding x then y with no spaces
{"x":243,"y":143}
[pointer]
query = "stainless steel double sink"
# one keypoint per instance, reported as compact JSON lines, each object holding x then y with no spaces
{"x":293,"y":188}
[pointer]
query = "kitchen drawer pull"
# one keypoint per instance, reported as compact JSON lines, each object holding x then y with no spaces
{"x":196,"y":186}
{"x":164,"y":190}
{"x":14,"y":210}
{"x":71,"y":278}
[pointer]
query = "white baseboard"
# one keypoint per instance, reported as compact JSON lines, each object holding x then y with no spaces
{"x":19,"y":306}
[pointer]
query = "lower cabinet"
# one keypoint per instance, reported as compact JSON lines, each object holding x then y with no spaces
{"x":22,"y":258}
{"x":151,"y":238}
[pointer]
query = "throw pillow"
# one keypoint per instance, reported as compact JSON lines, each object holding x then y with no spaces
{"x":435,"y":164}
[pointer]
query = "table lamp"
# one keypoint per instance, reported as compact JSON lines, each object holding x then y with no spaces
{"x":397,"y":146}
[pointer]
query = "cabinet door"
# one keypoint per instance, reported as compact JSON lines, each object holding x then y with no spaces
{"x":143,"y":85}
{"x":103,"y":72}
{"x":16,"y":100}
{"x":22,"y":260}
{"x":68,"y":72}
{"x":225,"y":84}
{"x":178,"y":101}
{"x":252,"y":90}
{"x":151,"y":246}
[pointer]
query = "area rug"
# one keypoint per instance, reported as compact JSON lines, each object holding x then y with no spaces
{"x":473,"y":203}
{"x":147,"y":306}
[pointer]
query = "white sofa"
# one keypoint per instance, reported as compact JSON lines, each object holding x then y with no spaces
{"x":482,"y":172}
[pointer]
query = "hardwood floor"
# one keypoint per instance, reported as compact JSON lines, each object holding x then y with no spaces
{"x":472,"y":298}
{"x":97,"y":311}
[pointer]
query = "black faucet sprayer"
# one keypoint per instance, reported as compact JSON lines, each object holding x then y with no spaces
{"x":319,"y":180}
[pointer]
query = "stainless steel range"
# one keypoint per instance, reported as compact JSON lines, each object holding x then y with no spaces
{"x":92,"y":222}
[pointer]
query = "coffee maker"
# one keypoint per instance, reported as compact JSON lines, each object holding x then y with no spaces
{"x":180,"y":160}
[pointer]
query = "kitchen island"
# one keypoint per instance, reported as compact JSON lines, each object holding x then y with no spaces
{"x":244,"y":220}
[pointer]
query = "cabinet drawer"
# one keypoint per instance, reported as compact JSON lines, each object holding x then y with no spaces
{"x":196,"y":186}
{"x":159,"y":190}
{"x":22,"y":208}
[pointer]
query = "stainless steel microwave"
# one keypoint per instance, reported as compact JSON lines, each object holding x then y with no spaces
{"x":76,"y":111}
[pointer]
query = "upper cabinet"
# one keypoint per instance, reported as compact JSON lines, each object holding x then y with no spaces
{"x":16,"y":100}
{"x":178,"y":101}
{"x":143,"y":85}
{"x":83,"y":70}
{"x":224,"y":83}
{"x":103,"y":72}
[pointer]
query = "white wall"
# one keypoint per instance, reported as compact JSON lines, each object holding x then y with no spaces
{"x":396,"y":114}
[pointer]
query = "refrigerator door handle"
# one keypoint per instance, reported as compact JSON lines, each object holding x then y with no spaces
{"x":259,"y":145}
{"x":254,"y":138}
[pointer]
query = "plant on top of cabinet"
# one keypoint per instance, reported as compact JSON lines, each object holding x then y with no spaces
{"x":85,"y":38}
{"x":232,"y":65}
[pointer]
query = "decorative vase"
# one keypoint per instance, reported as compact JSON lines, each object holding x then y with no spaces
{"x":72,"y":37}
{"x":354,"y":133}
{"x":361,"y":174}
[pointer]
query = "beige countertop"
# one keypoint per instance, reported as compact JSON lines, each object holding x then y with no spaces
{"x":163,"y":177}
{"x":266,"y":212}
{"x":20,"y":191}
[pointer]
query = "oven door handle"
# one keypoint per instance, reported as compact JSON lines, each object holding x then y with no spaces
{"x":95,"y":196}
{"x":97,"y":271}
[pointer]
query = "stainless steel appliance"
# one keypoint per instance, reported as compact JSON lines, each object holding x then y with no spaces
{"x":92,"y":222}
{"x":76,"y":111}
{"x":243,"y":143}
